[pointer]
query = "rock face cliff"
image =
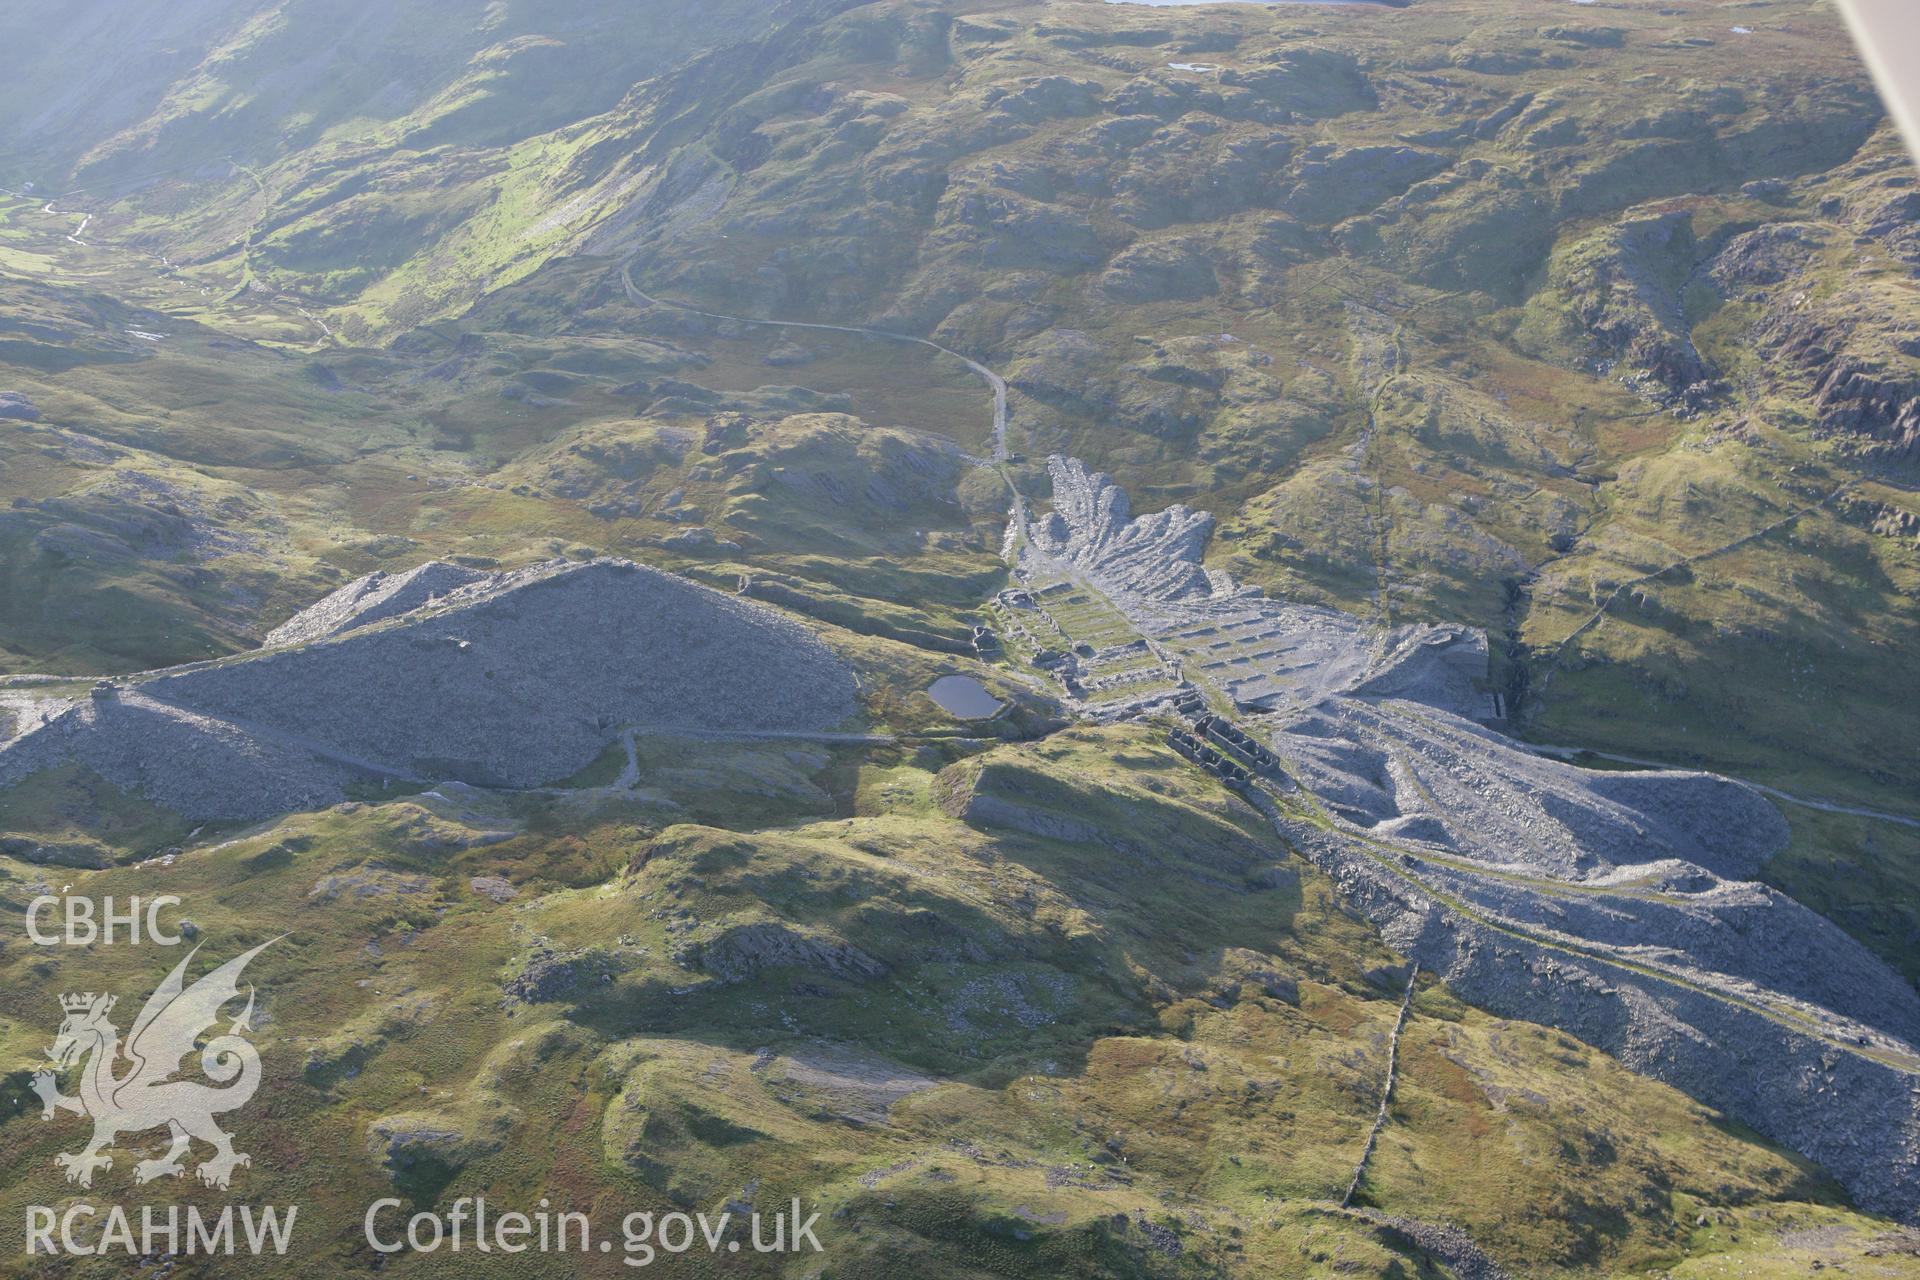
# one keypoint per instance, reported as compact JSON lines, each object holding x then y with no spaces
{"x":512,"y":680}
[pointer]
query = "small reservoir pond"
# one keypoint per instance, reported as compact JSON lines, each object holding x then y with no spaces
{"x":963,"y":696}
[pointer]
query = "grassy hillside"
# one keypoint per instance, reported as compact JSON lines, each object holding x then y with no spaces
{"x":1446,"y":313}
{"x":1587,"y":325}
{"x":1104,"y":1025}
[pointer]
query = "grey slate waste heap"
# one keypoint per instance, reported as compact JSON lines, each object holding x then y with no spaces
{"x":367,"y":600}
{"x":1620,"y":907}
{"x":513,"y":679}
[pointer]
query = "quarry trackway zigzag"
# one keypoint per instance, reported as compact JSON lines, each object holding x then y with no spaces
{"x":1599,"y":614}
{"x":254,"y":291}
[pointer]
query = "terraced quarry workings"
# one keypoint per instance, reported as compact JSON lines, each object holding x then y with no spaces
{"x":1617,"y":906}
{"x":507,"y":680}
{"x":1547,"y":368}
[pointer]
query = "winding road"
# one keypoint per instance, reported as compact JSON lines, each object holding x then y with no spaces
{"x":993,"y":380}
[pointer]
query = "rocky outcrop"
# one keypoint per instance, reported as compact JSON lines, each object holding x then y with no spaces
{"x":1766,"y":255}
{"x":425,"y":1148}
{"x":549,"y":975}
{"x":1865,"y":398}
{"x":1444,"y":1241}
{"x":1337,"y":182}
{"x":1893,"y":522}
{"x":745,"y":950}
{"x":979,"y":808}
{"x":1857,"y":390}
{"x":133,"y":515}
{"x":1145,"y":828}
{"x":15,"y":405}
{"x":1159,"y":270}
{"x":1625,"y":290}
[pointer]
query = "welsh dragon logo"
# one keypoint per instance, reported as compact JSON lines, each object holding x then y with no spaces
{"x":143,"y":1094}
